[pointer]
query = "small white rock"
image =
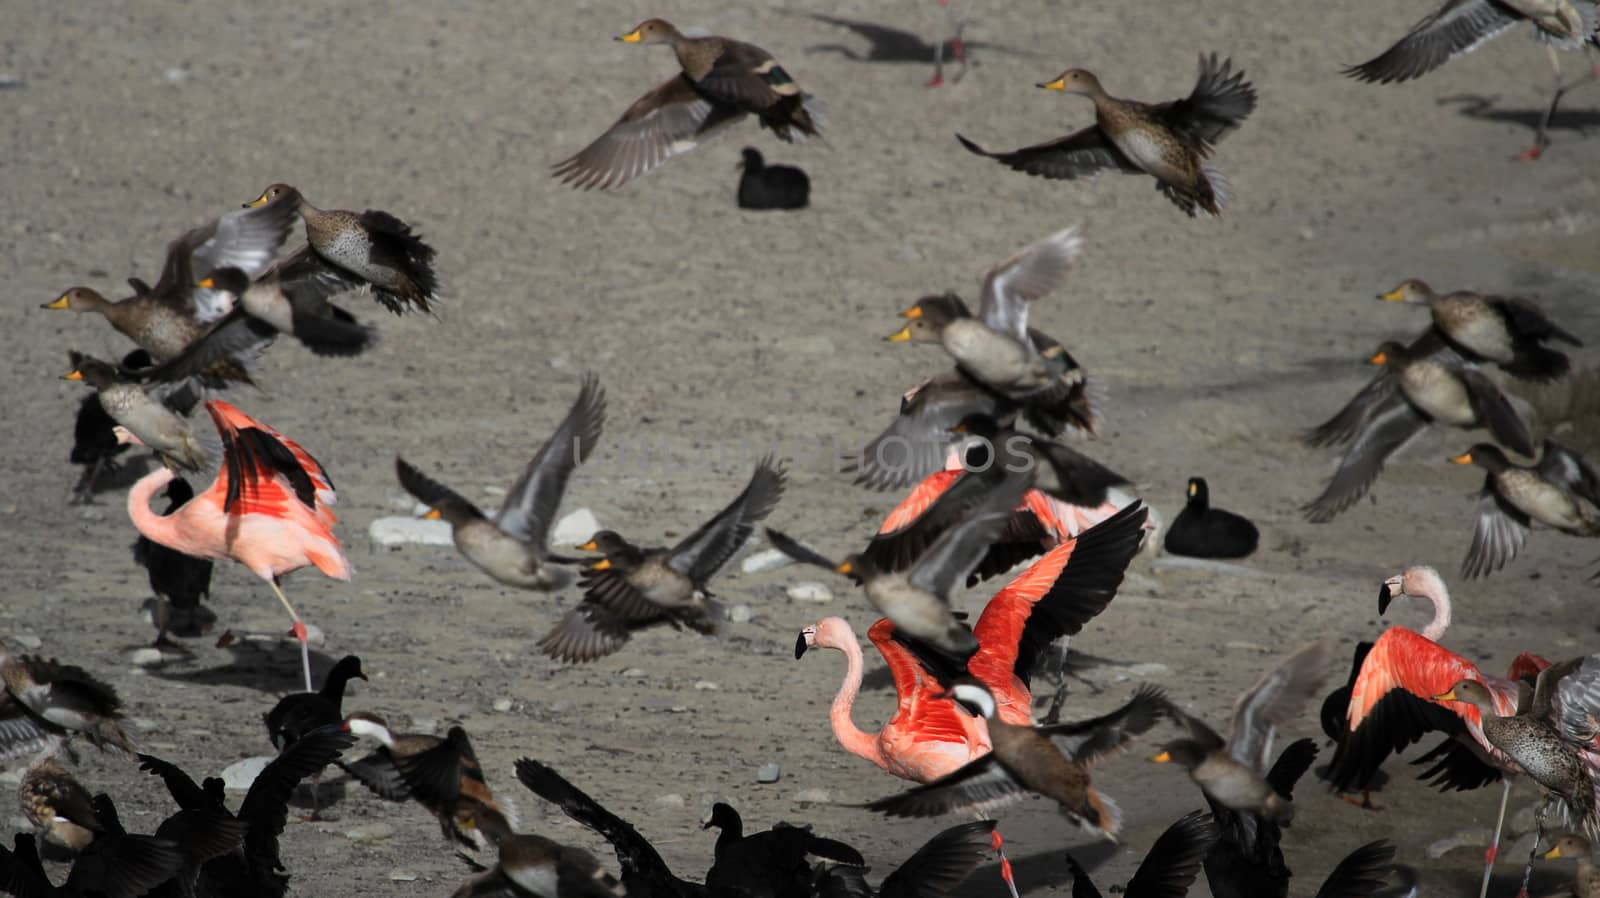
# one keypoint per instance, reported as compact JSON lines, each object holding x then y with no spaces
{"x":28,"y":641}
{"x":768,"y":773}
{"x":238,"y":776}
{"x":502,"y":705}
{"x":575,"y":528}
{"x":149,"y":656}
{"x":633,"y":672}
{"x":12,"y":778}
{"x":765,"y":560}
{"x":810,"y":591}
{"x":740,"y":614}
{"x":706,"y":686}
{"x":399,"y":531}
{"x":813,"y":796}
{"x":670,"y":800}
{"x":369,"y":832}
{"x":402,"y":876}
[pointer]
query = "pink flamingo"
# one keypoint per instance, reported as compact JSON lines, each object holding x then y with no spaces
{"x":1404,"y":663}
{"x":267,"y":509}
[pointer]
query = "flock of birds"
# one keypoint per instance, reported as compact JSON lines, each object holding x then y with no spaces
{"x":992,"y":491}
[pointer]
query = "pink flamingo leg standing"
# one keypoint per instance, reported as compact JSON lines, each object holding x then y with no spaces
{"x":273,"y":520}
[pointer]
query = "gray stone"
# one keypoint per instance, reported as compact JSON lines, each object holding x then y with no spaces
{"x":813,"y":796}
{"x":574,"y":528}
{"x":149,"y":656}
{"x":28,"y":641}
{"x":740,"y":614}
{"x":402,"y":876}
{"x":810,"y":591}
{"x":399,"y":531}
{"x":502,"y":705}
{"x":368,"y":833}
{"x":768,"y":773}
{"x":238,"y":776}
{"x":670,"y":800}
{"x":1472,"y":837}
{"x":706,"y":686}
{"x":765,"y":560}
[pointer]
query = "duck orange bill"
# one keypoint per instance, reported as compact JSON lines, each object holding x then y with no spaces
{"x":1448,"y":696}
{"x":959,"y":427}
{"x":60,"y":302}
{"x":844,"y":567}
{"x":632,"y":37}
{"x":1552,"y":854}
{"x":74,"y":374}
{"x":1058,"y":84}
{"x":903,"y":335}
{"x":913,"y":312}
{"x":432,"y":515}
{"x":1379,"y":358}
{"x":1163,"y":758}
{"x":1398,"y":294}
{"x":1464,"y":458}
{"x":589,"y":547}
{"x":603,"y":564}
{"x":258,"y":201}
{"x":206,"y":283}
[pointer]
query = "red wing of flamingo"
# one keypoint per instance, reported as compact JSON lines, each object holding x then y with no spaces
{"x":264,"y":470}
{"x":941,"y":499}
{"x":1054,"y":597}
{"x":1391,"y":707}
{"x":924,"y":717}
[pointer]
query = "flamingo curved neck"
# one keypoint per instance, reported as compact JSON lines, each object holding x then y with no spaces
{"x":1434,"y":591}
{"x":162,"y":529}
{"x":855,"y":740}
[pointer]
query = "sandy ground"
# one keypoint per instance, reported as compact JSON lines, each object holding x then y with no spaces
{"x":720,"y":334}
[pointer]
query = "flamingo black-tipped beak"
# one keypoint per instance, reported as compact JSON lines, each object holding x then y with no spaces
{"x":800,"y":646}
{"x":1384,"y":598}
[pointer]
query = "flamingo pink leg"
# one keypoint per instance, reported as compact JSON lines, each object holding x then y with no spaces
{"x":1005,"y":864}
{"x":299,"y":631}
{"x":1494,"y":847}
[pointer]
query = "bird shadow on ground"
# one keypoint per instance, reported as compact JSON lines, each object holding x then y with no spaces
{"x":120,"y":478}
{"x":266,"y":668}
{"x":1042,"y":872}
{"x":1482,"y":108}
{"x":887,"y":44}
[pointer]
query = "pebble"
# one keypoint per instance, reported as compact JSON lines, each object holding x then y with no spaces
{"x":810,"y":591}
{"x":402,"y":876}
{"x":1471,"y":837}
{"x":813,"y":796}
{"x":764,"y":560}
{"x":369,"y":832}
{"x":11,"y":778}
{"x":399,"y":531}
{"x":768,"y":773}
{"x":740,"y":614}
{"x":575,"y":528}
{"x":240,"y":775}
{"x":149,"y":656}
{"x":670,"y":800}
{"x":28,"y":641}
{"x":502,"y":705}
{"x":633,"y":672}
{"x":424,"y":723}
{"x":706,"y":686}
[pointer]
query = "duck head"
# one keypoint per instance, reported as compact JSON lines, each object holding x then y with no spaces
{"x":1413,"y":290}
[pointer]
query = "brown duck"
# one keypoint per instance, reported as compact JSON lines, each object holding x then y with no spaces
{"x":371,"y":247}
{"x":1586,"y":882}
{"x":441,"y":774}
{"x":167,"y":318}
{"x":1507,"y":330}
{"x":632,"y":588}
{"x":1562,"y":491}
{"x":57,"y":805}
{"x":722,"y":81}
{"x":65,"y":699}
{"x":155,"y":424}
{"x":1026,"y":761}
{"x":1168,"y":141}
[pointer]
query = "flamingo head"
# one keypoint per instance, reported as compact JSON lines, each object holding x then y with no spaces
{"x":828,"y":633}
{"x":1417,"y":580}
